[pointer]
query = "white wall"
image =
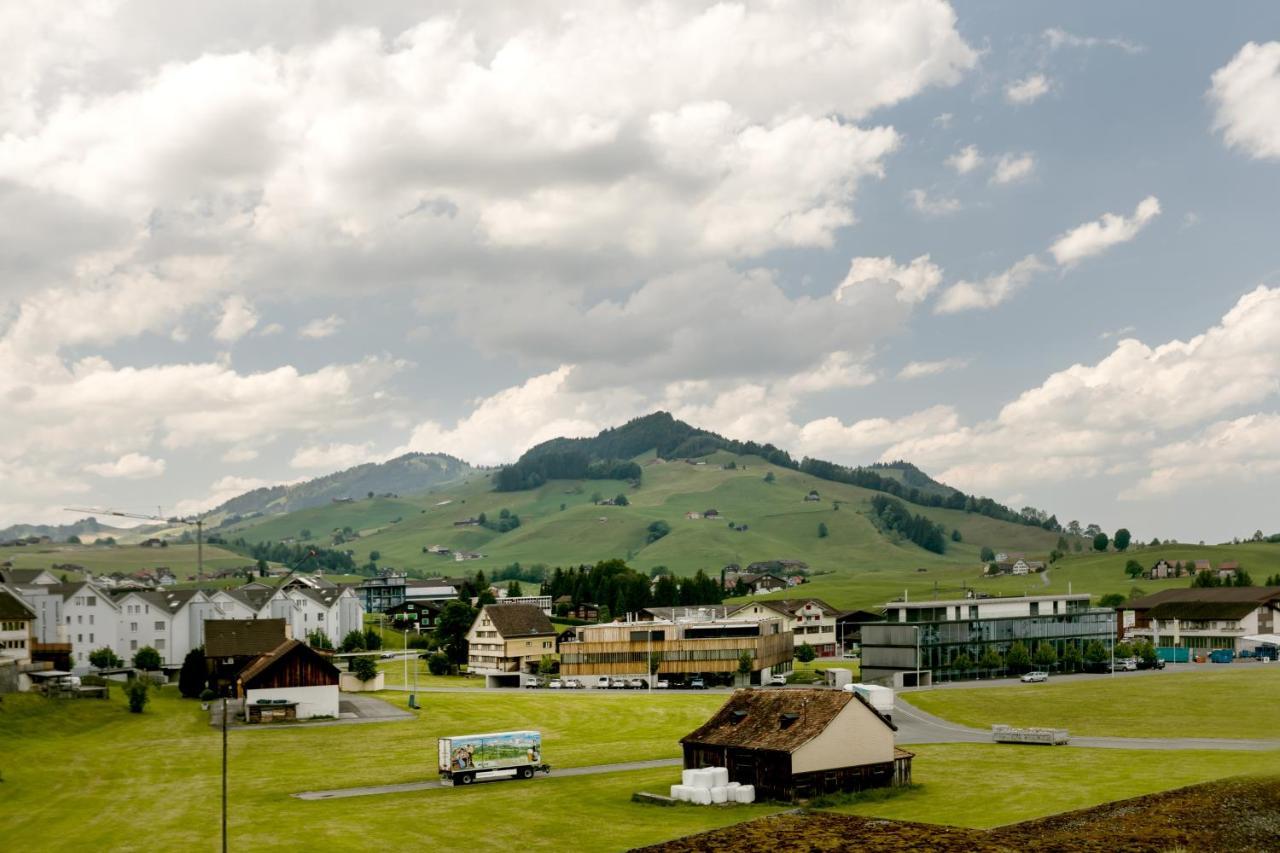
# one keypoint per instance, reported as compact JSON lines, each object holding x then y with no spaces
{"x":312,"y":701}
{"x":856,"y":736}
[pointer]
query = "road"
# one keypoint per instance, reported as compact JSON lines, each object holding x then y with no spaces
{"x":409,"y":787}
{"x":916,"y":727}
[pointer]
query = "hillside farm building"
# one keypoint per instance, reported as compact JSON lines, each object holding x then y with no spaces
{"x":793,"y":744}
{"x":1202,"y":618}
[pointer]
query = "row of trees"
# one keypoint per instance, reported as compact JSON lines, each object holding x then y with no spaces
{"x":562,"y":465}
{"x":303,"y":557}
{"x":1207,"y":579}
{"x":1074,"y":658}
{"x":506,"y":520}
{"x":616,"y":587}
{"x":892,"y":515}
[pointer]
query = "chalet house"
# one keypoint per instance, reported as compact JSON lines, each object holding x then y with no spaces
{"x":1227,"y":570}
{"x":230,"y":645}
{"x":812,"y":496}
{"x":1203,"y":566}
{"x":1019,"y":567}
{"x":759,"y":583}
{"x":467,"y":522}
{"x":292,"y":681}
{"x":799,"y":743}
{"x":711,"y":513}
{"x":17,"y":620}
{"x":693,"y":515}
{"x":464,"y":556}
{"x":1164,"y":569}
{"x":587,"y":612}
{"x":416,"y":616}
{"x":813,"y":621}
{"x":507,"y":640}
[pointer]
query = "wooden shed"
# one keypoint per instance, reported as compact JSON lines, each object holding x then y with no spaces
{"x":793,"y":743}
{"x":293,"y":674}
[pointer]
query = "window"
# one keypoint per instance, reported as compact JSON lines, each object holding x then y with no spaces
{"x":133,"y":627}
{"x":79,"y":618}
{"x":133,"y":645}
{"x":159,"y":625}
{"x":91,"y":638}
{"x":68,"y":618}
{"x":92,"y":600}
{"x":90,"y":618}
{"x":79,"y":638}
{"x":159,"y":644}
{"x":319,"y":617}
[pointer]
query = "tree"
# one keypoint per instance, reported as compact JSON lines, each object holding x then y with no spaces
{"x":1018,"y":660}
{"x":451,"y":630}
{"x":596,"y":497}
{"x":655,"y":662}
{"x":621,"y":500}
{"x":514,"y":589}
{"x":657,"y":530}
{"x":363,"y":667}
{"x":1095,"y":654}
{"x":147,"y":658}
{"x":1146,"y":651}
{"x":1133,"y":569}
{"x":1071,"y":658}
{"x":1124,"y":650}
{"x":438,"y":663}
{"x":1046,"y":656}
{"x":1100,"y":542}
{"x":375,"y":556}
{"x":1204,"y":579}
{"x":1121,"y":539}
{"x":137,"y":691}
{"x":318,"y":639}
{"x":987,"y":555}
{"x":354,"y":641}
{"x":769,"y":478}
{"x":194,"y":674}
{"x":105,"y":658}
{"x":1076,"y":546}
{"x":805,"y":653}
{"x":822,"y":530}
{"x":372,"y":640}
{"x":955,"y":536}
{"x":370,"y":495}
{"x":547,"y":665}
{"x":990,"y":660}
{"x":486,"y":596}
{"x":73,"y":540}
{"x":744,"y":663}
{"x":1243,"y":578}
{"x":962,"y":662}
{"x":1111,"y":599}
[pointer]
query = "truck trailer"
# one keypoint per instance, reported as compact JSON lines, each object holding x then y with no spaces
{"x":878,"y":697}
{"x":498,"y":755}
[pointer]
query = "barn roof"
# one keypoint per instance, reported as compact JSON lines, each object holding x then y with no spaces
{"x":14,"y":608}
{"x":518,"y":620}
{"x":229,"y":638}
{"x":775,"y":720}
{"x":289,"y":648}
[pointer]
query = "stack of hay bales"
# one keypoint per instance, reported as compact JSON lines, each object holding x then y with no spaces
{"x":709,"y":785}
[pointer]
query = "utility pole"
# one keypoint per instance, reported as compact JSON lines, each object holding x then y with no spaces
{"x":224,"y":774}
{"x":198,"y":524}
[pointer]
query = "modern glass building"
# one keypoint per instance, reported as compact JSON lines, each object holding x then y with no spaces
{"x":926,"y":637}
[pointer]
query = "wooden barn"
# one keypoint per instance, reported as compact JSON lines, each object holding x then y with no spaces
{"x":230,"y":645}
{"x":293,"y":681}
{"x":794,"y":744}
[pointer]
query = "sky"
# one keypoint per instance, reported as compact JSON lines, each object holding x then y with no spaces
{"x":1029,"y":247}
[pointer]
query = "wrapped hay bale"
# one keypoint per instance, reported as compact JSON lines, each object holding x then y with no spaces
{"x":745,"y":793}
{"x":719,"y":794}
{"x":720,"y":776}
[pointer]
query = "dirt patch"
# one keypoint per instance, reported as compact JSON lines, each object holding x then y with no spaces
{"x":1230,"y":815}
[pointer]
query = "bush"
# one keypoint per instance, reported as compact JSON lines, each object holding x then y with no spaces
{"x":137,"y":691}
{"x":805,"y":653}
{"x":364,"y":667}
{"x":318,"y":639}
{"x":147,"y":658}
{"x":822,"y":530}
{"x":372,"y":640}
{"x":191,"y":680}
{"x":1018,"y":659}
{"x":438,"y":664}
{"x":421,"y":641}
{"x":207,"y":695}
{"x":105,"y":658}
{"x":353,"y":642}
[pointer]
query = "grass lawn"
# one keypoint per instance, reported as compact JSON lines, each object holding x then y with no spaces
{"x":150,"y":781}
{"x":1186,"y":704}
{"x":986,"y":785}
{"x":395,"y":675}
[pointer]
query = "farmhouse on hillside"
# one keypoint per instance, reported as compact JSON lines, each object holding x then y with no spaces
{"x":291,"y":682}
{"x":507,"y":640}
{"x":799,"y":743}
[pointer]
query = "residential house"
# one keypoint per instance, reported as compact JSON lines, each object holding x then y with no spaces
{"x":464,"y":556}
{"x":1019,"y":567}
{"x":1164,"y":569}
{"x":17,"y":621}
{"x":230,"y":645}
{"x":1202,"y":619}
{"x":813,"y":621}
{"x":467,"y":522}
{"x":90,"y":620}
{"x":509,"y":639}
{"x":27,"y":577}
{"x":711,"y":513}
{"x":812,"y":496}
{"x":693,"y":515}
{"x":293,"y":681}
{"x":799,"y":743}
{"x":757,"y":583}
{"x":334,"y":612}
{"x":1227,"y":570}
{"x":416,"y":616}
{"x":383,"y":592}
{"x":586,"y":611}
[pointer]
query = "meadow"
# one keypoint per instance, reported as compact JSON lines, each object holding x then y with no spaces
{"x":90,"y":775}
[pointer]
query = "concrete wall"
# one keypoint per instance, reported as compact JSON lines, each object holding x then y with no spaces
{"x":349,"y":683}
{"x":312,"y":701}
{"x":856,"y":736}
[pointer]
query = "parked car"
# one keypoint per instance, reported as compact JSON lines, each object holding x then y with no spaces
{"x":1035,"y":676}
{"x":602,"y":683}
{"x":387,"y":655}
{"x":637,"y":684}
{"x":532,"y":682}
{"x":572,"y":684}
{"x":1155,"y":664}
{"x":697,"y":683}
{"x":778,"y":681}
{"x":617,"y":684}
{"x":850,"y":655}
{"x":555,"y":684}
{"x":662,"y":684}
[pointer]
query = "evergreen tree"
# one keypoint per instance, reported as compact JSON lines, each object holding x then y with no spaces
{"x":1018,"y":660}
{"x":194,"y":674}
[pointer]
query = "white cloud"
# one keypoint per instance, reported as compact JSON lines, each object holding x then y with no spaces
{"x":322,"y":327}
{"x":917,"y":369}
{"x":1056,"y":38}
{"x":1027,"y":90}
{"x":966,"y":159}
{"x":913,"y":282}
{"x":1013,"y":168}
{"x":838,"y":370}
{"x":991,"y":291}
{"x":933,"y":205}
{"x":238,"y":319}
{"x":224,"y":489}
{"x":271,"y":329}
{"x":943,"y":120}
{"x":332,"y":457}
{"x":829,"y":438}
{"x":1233,"y":451}
{"x":1093,"y":238}
{"x":235,"y":455}
{"x":1246,"y":97}
{"x":131,"y":466}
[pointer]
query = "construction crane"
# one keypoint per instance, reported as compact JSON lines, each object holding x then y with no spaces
{"x":198,"y":524}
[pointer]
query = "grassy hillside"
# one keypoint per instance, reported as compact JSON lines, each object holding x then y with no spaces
{"x":854,"y":565}
{"x":102,"y":559}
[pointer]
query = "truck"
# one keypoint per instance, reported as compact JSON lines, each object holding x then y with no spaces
{"x":837,"y":677}
{"x":465,"y":759}
{"x":878,"y":697}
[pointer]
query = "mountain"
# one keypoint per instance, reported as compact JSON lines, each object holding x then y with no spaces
{"x":405,"y":475}
{"x":87,"y":529}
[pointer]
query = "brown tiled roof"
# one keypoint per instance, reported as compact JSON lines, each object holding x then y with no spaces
{"x":793,"y":605}
{"x":13,"y":607}
{"x":1233,"y":594}
{"x":20,"y":576}
{"x":518,"y":620}
{"x":753,"y":719}
{"x":230,"y":638}
{"x":1203,"y":610}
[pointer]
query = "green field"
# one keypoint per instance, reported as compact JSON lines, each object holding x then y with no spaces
{"x":1186,"y":704}
{"x":105,"y":559}
{"x":150,"y":781}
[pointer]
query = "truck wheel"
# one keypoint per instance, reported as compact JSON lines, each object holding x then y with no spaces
{"x":468,"y":778}
{"x":526,"y":772}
